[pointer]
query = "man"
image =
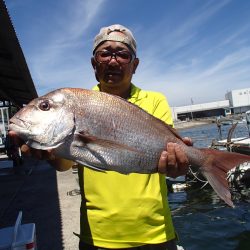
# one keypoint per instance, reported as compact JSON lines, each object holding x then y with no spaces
{"x":125,"y":211}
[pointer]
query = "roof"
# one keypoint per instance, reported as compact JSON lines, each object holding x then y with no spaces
{"x":16,"y":84}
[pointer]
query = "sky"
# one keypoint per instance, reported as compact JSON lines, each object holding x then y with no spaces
{"x":190,"y":50}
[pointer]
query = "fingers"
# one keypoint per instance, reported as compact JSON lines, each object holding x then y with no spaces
{"x":173,"y":162}
{"x":167,"y":163}
{"x":172,"y":167}
{"x":162,"y":165}
{"x":28,"y":151}
{"x":188,"y":141}
{"x":182,"y":161}
{"x":11,"y":133}
{"x":171,"y":154}
{"x":39,"y":154}
{"x":15,"y":139}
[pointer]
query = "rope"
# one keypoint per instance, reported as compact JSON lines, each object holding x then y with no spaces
{"x":196,"y":177}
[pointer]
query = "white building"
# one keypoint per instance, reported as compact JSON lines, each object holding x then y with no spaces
{"x":239,"y":100}
{"x":236,"y":101}
{"x":201,"y":110}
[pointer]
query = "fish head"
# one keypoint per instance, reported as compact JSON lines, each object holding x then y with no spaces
{"x":45,"y":122}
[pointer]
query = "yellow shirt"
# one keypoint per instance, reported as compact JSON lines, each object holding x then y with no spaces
{"x":122,"y":211}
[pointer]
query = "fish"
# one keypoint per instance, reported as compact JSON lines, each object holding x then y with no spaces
{"x":105,"y":132}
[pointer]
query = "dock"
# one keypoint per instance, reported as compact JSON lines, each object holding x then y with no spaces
{"x":179,"y":125}
{"x":48,"y":198}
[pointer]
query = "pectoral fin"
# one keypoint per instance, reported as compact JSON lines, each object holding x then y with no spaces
{"x":89,"y":139}
{"x":90,"y":166}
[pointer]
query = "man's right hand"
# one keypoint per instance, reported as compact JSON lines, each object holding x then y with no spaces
{"x":59,"y":164}
{"x":28,"y":151}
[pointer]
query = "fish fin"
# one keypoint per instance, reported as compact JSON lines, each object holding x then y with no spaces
{"x":104,"y":143}
{"x":215,"y":169}
{"x":174,"y":131}
{"x":90,"y":166}
{"x":38,"y":145}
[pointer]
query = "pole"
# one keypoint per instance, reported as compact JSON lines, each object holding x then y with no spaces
{"x":192,"y":102}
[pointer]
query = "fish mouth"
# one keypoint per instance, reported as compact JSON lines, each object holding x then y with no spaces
{"x":18,"y":125}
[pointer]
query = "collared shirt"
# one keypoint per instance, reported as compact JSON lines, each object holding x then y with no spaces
{"x":122,"y":211}
{"x":154,"y":103}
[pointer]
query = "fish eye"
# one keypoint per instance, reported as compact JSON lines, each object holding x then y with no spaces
{"x":45,"y":105}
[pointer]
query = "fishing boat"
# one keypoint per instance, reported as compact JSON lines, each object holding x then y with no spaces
{"x":239,"y":145}
{"x":236,"y":177}
{"x":240,"y":174}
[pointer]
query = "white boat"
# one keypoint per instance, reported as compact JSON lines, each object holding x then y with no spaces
{"x":240,"y":174}
{"x":239,"y":145}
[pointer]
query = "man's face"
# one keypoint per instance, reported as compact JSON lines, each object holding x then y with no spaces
{"x":114,"y":73}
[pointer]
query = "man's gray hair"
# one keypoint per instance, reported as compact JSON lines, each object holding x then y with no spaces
{"x":105,"y":34}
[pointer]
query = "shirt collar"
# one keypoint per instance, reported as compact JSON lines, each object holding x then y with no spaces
{"x":135,"y":93}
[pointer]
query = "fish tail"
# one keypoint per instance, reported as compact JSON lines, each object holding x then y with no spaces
{"x":215,"y":166}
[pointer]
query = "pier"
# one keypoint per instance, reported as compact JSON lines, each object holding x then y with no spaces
{"x":48,"y":198}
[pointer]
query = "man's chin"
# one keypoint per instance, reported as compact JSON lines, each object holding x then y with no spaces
{"x":113,"y":82}
{"x":113,"y":78}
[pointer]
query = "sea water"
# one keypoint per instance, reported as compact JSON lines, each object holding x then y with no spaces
{"x":204,"y":222}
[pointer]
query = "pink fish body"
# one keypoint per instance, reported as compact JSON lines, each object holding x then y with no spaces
{"x":106,"y":132}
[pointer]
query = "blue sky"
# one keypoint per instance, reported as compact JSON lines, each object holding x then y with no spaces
{"x":197,"y":49}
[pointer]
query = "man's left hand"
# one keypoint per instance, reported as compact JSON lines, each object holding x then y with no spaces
{"x":174,"y":162}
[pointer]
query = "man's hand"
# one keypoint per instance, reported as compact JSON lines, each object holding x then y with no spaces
{"x":58,"y":163}
{"x":27,"y":151}
{"x":174,"y":162}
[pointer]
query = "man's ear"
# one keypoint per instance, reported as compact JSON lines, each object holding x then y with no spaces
{"x":93,"y":62}
{"x":135,"y":64}
{"x":94,"y":65}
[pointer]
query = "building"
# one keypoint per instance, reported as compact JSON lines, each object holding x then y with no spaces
{"x":219,"y":108}
{"x":239,"y":100}
{"x":16,"y":84}
{"x":236,"y":102}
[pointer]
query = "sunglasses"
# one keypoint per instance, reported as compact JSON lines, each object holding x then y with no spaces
{"x":105,"y":56}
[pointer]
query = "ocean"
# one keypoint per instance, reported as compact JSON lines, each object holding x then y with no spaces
{"x":204,"y":222}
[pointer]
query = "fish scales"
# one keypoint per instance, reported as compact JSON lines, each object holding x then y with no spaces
{"x":106,"y":132}
{"x":122,"y":123}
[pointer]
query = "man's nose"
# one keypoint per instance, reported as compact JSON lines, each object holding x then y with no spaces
{"x":113,"y":60}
